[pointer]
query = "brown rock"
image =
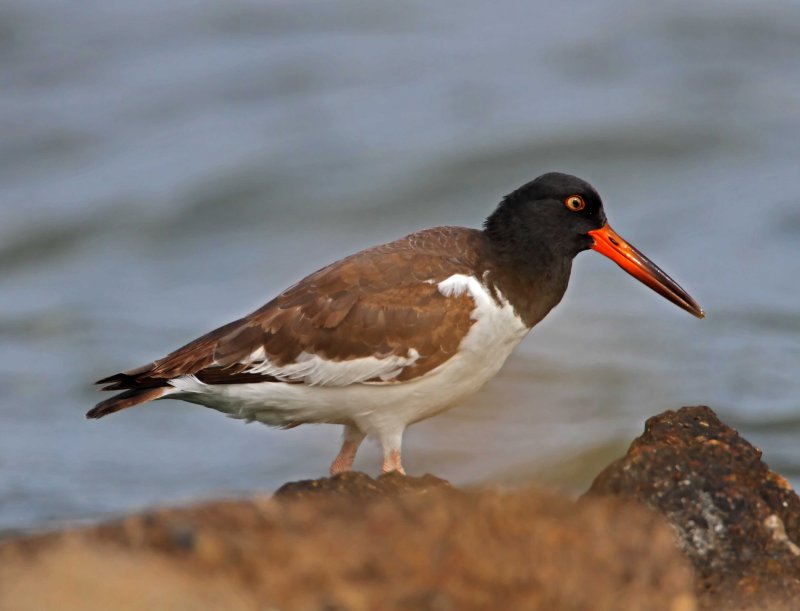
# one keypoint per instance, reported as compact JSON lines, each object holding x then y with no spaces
{"x":737,"y":521}
{"x":428,"y":546}
{"x":359,"y":486}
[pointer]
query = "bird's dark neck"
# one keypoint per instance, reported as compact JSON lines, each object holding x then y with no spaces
{"x":528,"y":272}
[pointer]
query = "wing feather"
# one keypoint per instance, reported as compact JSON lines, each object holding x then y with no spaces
{"x":377,"y":316}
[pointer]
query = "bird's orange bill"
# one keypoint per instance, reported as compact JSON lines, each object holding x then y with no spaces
{"x":607,"y":242}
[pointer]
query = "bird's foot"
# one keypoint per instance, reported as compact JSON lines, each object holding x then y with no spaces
{"x":391,"y":462}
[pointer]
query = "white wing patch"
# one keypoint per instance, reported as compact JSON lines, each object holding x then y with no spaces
{"x":316,"y":371}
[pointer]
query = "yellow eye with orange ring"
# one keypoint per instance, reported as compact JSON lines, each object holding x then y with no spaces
{"x":575,"y":203}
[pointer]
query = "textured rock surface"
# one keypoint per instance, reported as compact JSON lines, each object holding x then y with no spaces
{"x":359,"y":487}
{"x":738,"y":522}
{"x":426,"y":547}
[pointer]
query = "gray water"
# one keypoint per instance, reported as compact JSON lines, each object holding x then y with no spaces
{"x":166,"y":166}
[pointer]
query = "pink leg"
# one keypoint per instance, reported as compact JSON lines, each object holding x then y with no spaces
{"x":391,"y":452}
{"x":344,"y":459}
{"x":392,"y":463}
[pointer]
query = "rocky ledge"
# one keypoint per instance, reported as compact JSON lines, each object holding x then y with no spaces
{"x":690,"y":518}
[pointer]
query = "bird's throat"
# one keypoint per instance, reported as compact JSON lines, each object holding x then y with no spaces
{"x":533,"y":280}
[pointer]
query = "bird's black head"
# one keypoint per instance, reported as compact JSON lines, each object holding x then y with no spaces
{"x":542,"y":225}
{"x":552,"y":214}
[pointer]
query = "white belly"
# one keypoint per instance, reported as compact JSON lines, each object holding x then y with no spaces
{"x":378,"y":406}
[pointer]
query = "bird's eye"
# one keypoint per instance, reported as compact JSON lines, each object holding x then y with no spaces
{"x":575,"y":203}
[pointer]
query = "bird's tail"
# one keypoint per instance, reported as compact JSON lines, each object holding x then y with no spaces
{"x":126,"y":399}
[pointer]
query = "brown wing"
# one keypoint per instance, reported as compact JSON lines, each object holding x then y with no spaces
{"x":381,"y":302}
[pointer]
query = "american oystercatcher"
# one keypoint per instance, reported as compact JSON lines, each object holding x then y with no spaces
{"x":399,"y":332}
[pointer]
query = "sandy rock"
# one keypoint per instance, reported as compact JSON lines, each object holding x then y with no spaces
{"x":737,"y":521}
{"x":417,"y":545}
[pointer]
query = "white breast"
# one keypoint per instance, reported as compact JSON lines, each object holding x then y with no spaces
{"x":497,"y":329}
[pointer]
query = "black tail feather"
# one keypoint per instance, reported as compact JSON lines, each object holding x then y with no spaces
{"x":135,"y":378}
{"x":129,"y":398}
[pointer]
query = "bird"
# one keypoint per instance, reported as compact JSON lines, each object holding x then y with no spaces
{"x":399,"y":332}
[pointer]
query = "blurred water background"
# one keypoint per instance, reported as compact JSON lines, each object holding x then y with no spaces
{"x":166,"y":166}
